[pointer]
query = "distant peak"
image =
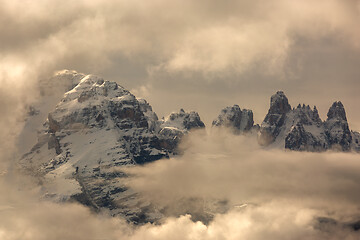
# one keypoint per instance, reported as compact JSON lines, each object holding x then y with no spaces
{"x":240,"y":120}
{"x":337,"y":111}
{"x":279,"y":103}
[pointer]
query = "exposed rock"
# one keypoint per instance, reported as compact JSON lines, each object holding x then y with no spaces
{"x":337,"y":128}
{"x":275,"y":119}
{"x":97,"y":128}
{"x":279,"y":103}
{"x":240,"y":121}
{"x":301,"y":140}
{"x":175,"y":126}
{"x":355,"y":141}
{"x":53,"y":142}
{"x":302,"y":129}
{"x":183,"y":121}
{"x":337,"y":111}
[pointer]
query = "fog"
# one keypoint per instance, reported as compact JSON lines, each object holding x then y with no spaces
{"x":270,"y":194}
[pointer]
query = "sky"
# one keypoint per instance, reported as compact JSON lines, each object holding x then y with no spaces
{"x":198,"y":55}
{"x":202,"y":55}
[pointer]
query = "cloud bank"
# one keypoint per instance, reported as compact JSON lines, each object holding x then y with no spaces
{"x":269,"y":194}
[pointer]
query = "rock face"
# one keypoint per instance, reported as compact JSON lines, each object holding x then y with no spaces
{"x":337,"y":128}
{"x":275,"y":119}
{"x":175,"y":126}
{"x":96,"y":129}
{"x":240,"y":121}
{"x":302,"y":129}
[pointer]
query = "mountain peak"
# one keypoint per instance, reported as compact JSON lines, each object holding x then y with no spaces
{"x":337,"y":111}
{"x":239,"y":120}
{"x":279,"y":103}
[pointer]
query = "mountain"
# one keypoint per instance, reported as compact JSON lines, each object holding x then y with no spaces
{"x":96,"y":129}
{"x":297,"y":128}
{"x":239,"y":121}
{"x":302,"y":129}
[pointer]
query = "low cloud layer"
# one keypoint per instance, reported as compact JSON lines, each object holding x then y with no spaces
{"x":229,"y":167}
{"x":269,"y":194}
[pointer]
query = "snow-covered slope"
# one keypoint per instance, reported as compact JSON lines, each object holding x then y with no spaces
{"x":96,"y":127}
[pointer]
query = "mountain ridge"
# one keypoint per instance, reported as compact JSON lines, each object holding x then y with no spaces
{"x":99,"y":126}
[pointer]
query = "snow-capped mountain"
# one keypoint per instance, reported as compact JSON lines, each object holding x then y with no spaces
{"x":302,"y":129}
{"x":97,"y":127}
{"x":297,"y":128}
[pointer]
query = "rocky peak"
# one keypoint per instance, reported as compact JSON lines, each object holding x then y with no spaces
{"x":175,"y":126}
{"x":337,"y":128}
{"x":99,"y":125}
{"x":337,"y":111}
{"x":302,"y":129}
{"x":183,"y":120}
{"x":275,"y":119}
{"x":279,"y":103}
{"x":233,"y":117}
{"x":305,"y":115}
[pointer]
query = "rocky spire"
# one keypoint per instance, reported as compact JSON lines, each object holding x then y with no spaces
{"x":337,"y":128}
{"x":337,"y":111}
{"x":279,"y":103}
{"x":275,"y":119}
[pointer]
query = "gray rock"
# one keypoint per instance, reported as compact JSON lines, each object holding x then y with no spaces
{"x":302,"y":129}
{"x":240,"y":121}
{"x":97,"y":128}
{"x":337,"y":128}
{"x":175,"y":126}
{"x":275,"y":118}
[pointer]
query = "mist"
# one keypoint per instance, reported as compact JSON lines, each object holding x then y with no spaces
{"x":270,"y":194}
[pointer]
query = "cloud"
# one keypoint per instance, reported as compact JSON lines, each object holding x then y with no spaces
{"x":234,"y":169}
{"x":222,"y":162}
{"x":234,"y":50}
{"x":271,"y":194}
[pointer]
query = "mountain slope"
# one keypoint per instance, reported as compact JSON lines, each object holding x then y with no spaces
{"x":97,"y":128}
